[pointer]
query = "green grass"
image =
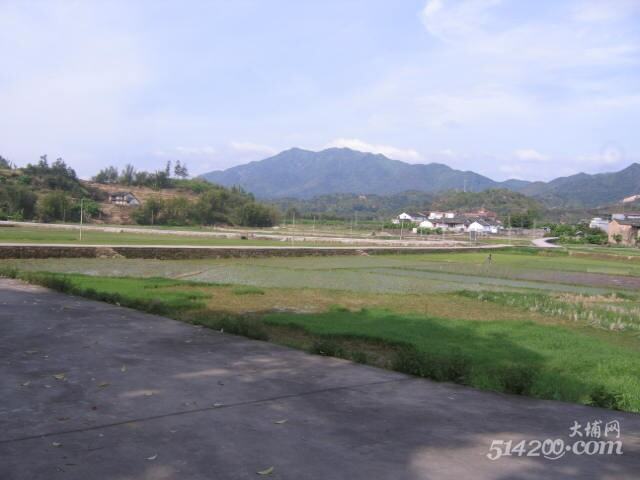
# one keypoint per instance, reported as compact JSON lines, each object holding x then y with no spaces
{"x":154,"y":295}
{"x":522,"y":357}
{"x":517,"y":357}
{"x":53,"y":236}
{"x":248,"y":290}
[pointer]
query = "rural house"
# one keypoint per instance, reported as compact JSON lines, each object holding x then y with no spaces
{"x":482,"y":225}
{"x":624,"y":232}
{"x":440,"y":215}
{"x":455,"y":224}
{"x":123,"y":198}
{"x":415,"y":217}
{"x":599,"y":223}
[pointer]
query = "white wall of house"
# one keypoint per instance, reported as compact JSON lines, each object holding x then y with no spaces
{"x":427,"y":224}
{"x":600,"y":223}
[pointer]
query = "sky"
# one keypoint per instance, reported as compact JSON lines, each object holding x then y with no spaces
{"x":506,"y":88}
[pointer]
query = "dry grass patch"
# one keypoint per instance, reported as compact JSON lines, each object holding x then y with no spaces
{"x":308,"y":300}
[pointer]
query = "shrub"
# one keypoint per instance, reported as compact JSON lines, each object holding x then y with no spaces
{"x":328,"y":348}
{"x":602,"y":398}
{"x":453,"y":366}
{"x":517,"y":379}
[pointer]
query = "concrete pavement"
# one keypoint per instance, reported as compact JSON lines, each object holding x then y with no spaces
{"x":95,"y":391}
{"x":545,"y":242}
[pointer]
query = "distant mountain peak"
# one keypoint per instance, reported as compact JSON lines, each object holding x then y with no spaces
{"x":301,"y":173}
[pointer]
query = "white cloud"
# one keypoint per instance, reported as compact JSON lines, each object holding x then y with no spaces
{"x":408,"y":155}
{"x":199,"y":151}
{"x":249,"y":147}
{"x":205,"y":158}
{"x":530,"y":155}
{"x":451,"y":21}
{"x":595,"y":11}
{"x":609,"y":155}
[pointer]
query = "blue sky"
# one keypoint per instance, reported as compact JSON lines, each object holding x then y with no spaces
{"x":508,"y":88}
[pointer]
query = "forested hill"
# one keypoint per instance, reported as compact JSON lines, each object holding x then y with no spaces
{"x":339,"y":206}
{"x":51,"y":192}
{"x":303,"y":174}
{"x":298,"y":173}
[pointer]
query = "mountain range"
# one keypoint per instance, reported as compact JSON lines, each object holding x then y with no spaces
{"x":303,"y":174}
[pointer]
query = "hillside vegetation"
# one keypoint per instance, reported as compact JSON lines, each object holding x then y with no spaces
{"x":52,"y":192}
{"x":507,"y":204}
{"x":301,"y":173}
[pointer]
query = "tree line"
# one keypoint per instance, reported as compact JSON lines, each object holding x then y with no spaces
{"x":165,"y":178}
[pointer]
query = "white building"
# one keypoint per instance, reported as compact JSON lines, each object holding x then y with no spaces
{"x":600,"y":223}
{"x":440,"y":215}
{"x":415,"y":217}
{"x":482,"y":226}
{"x":427,"y":224}
{"x":123,"y":198}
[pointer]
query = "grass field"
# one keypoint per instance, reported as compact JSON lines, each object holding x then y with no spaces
{"x":489,"y":340}
{"x":53,"y":236}
{"x":549,"y":324}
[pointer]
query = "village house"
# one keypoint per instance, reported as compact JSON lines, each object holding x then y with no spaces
{"x":440,"y":215}
{"x":483,"y":225}
{"x":414,"y":217}
{"x":123,"y":198}
{"x":453,"y":224}
{"x":624,"y":232}
{"x":599,"y":223}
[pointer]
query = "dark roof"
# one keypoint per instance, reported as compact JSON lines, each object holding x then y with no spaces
{"x":121,"y":194}
{"x":453,"y":221}
{"x":484,"y":222}
{"x":633,"y":222}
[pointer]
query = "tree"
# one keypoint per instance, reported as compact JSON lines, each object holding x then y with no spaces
{"x":150,"y":213}
{"x":107,"y":175}
{"x":128,"y":174}
{"x":18,"y":202}
{"x":4,"y":163}
{"x":167,"y":169}
{"x":180,"y":170}
{"x":60,"y":168}
{"x":257,"y":215}
{"x":54,"y":206}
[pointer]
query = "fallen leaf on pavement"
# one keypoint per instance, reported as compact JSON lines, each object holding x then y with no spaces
{"x":280,"y":422}
{"x":153,"y":457}
{"x":103,"y":384}
{"x":123,"y":368}
{"x":56,"y":444}
{"x":267,"y":471}
{"x":59,"y":376}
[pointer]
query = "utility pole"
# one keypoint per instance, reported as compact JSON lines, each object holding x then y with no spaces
{"x":81,"y":216}
{"x":401,"y":227}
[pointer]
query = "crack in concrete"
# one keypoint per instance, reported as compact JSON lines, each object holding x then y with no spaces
{"x":200,"y":410}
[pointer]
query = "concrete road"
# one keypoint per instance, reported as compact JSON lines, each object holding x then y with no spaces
{"x":545,"y":242}
{"x":95,"y":391}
